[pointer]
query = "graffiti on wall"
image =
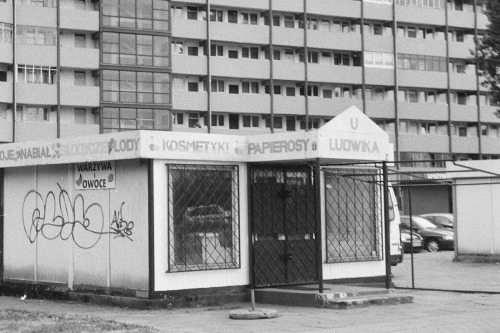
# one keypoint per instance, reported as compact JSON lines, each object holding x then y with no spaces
{"x":70,"y":219}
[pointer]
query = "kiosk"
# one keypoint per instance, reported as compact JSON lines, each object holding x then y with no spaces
{"x":146,"y":213}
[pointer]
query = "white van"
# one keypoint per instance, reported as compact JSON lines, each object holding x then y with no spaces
{"x":396,"y":246}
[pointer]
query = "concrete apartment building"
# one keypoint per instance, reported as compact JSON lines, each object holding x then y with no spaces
{"x":78,"y":67}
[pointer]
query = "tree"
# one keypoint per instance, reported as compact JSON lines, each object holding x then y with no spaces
{"x":487,"y":58}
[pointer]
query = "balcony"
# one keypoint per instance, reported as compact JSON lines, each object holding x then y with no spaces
{"x":420,"y":46}
{"x":6,"y":92}
{"x":378,"y":43}
{"x":5,"y":12}
{"x":241,"y":103}
{"x":429,"y":143}
{"x":380,"y":109}
{"x":337,"y":8}
{"x":288,"y":36}
{"x":40,"y":55}
{"x":80,"y":96}
{"x":289,"y":105}
{"x":36,"y":94}
{"x":331,"y":107}
{"x":5,"y":131}
{"x":289,"y":71}
{"x":26,"y":131}
{"x":379,"y":76}
{"x":288,"y":6}
{"x":489,"y":114}
{"x":420,"y":15}
{"x":490,"y":145}
{"x":378,"y":11}
{"x":189,"y":29}
{"x":79,"y":20}
{"x":461,"y":19}
{"x":427,"y":111}
{"x":189,"y":101}
{"x":239,"y":33}
{"x":463,"y":113}
{"x":36,"y":16}
{"x":333,"y":41}
{"x":424,"y":79}
{"x":460,"y":81}
{"x":6,"y":55}
{"x":333,"y":73}
{"x":80,"y":58}
{"x":465,"y":145}
{"x":462,"y":50}
{"x":189,"y":65}
{"x":239,"y":68}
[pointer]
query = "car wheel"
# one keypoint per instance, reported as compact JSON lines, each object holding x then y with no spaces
{"x":432,"y":245}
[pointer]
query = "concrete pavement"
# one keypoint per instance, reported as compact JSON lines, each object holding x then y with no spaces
{"x":431,"y":311}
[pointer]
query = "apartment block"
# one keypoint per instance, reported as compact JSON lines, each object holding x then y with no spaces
{"x":77,"y":67}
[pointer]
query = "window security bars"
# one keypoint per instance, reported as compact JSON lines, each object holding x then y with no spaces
{"x":353,"y":215}
{"x":203,"y":208}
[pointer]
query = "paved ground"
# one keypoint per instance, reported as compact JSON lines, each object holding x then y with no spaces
{"x":437,"y":270}
{"x":431,"y":311}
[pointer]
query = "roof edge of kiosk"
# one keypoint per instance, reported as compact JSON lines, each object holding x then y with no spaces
{"x":349,"y":136}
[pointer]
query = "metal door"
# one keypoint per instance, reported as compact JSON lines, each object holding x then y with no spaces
{"x":284,"y":226}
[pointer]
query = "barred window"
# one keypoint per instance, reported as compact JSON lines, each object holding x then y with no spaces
{"x":353,"y":215}
{"x":203,"y":217}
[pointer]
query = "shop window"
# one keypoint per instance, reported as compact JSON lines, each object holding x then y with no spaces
{"x":353,"y":227}
{"x":203,"y":217}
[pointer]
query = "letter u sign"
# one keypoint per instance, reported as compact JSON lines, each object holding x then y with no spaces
{"x":354,"y":123}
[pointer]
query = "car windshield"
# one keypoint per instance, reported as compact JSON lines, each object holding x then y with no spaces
{"x":423,"y":223}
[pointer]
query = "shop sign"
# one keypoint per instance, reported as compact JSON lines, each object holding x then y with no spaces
{"x":95,"y":175}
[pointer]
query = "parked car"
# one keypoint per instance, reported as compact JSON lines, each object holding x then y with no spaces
{"x":406,"y":237}
{"x":434,"y":237}
{"x":444,"y":220}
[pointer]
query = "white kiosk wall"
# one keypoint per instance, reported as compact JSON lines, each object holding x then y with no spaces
{"x":61,"y":234}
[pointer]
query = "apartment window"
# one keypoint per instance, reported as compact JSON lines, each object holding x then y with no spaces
{"x":250,"y":87}
{"x":277,"y":122}
{"x":193,"y":120}
{"x":276,"y":90}
{"x":80,"y":116}
{"x":192,"y":50}
{"x":312,"y":90}
{"x":36,"y":74}
{"x":217,"y":120}
{"x":142,"y":50}
{"x":177,"y":47}
{"x":460,"y":36}
{"x":80,"y":79}
{"x":412,"y":96}
{"x":176,"y":11}
{"x":289,"y":21}
{"x":250,"y":52}
{"x":216,"y":15}
{"x":5,"y":33}
{"x":312,"y":57}
{"x":193,"y":86}
{"x":290,"y":91}
{"x":250,"y":121}
{"x":312,"y":24}
{"x":192,"y":13}
{"x":248,"y":18}
{"x":378,"y":29}
{"x":232,"y":16}
{"x":36,"y":114}
{"x":324,"y":25}
{"x":291,"y":123}
{"x":234,"y":89}
{"x":135,"y":87}
{"x":216,"y":50}
{"x":327,"y":93}
{"x":461,"y":98}
{"x":217,"y":85}
{"x":80,"y":41}
{"x":32,"y":35}
{"x":377,"y":59}
{"x":233,"y":54}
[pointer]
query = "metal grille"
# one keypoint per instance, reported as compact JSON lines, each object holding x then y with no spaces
{"x":203,"y":208}
{"x":283,"y":227}
{"x":353,"y":215}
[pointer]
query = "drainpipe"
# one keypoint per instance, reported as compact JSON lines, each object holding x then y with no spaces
{"x":209,"y":75}
{"x":271,"y":66}
{"x":478,"y":96}
{"x":14,"y":71}
{"x":387,"y":226}
{"x":58,"y":41}
{"x":448,"y":89}
{"x":396,"y":83}
{"x":363,"y":69}
{"x":306,"y":74}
